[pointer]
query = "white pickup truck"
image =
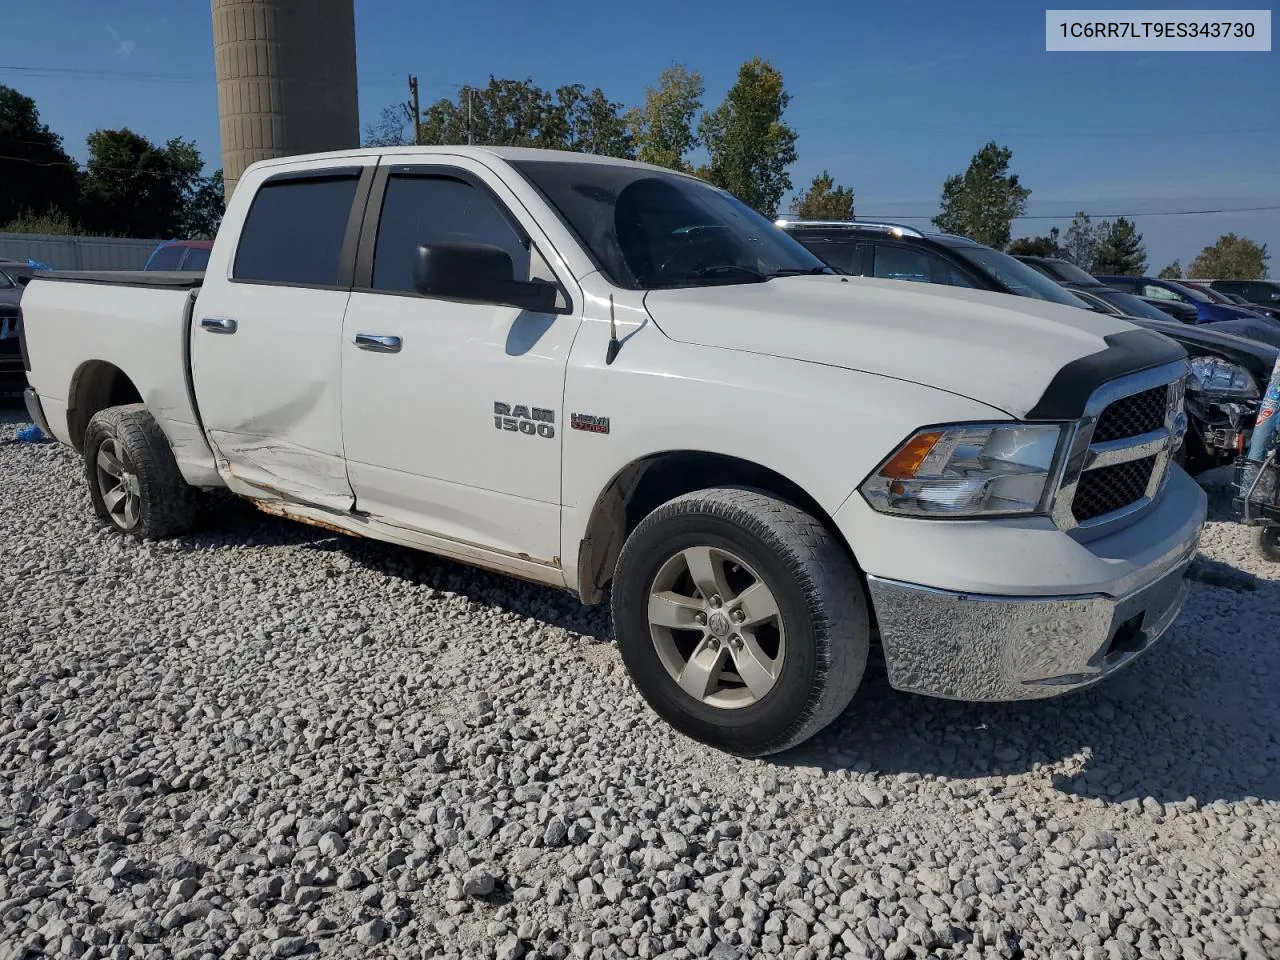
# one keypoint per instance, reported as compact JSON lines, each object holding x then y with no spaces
{"x":587,"y":372}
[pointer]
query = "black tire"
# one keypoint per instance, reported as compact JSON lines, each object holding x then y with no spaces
{"x":165,"y":505}
{"x":820,"y":600}
{"x":1267,"y":542}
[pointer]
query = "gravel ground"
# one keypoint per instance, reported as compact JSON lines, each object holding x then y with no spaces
{"x":264,"y":740}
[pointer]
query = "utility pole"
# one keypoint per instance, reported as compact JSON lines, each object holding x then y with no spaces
{"x":417,"y":113}
{"x":469,"y":137}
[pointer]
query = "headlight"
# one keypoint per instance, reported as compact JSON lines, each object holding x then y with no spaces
{"x":1221,"y":377}
{"x":968,"y":470}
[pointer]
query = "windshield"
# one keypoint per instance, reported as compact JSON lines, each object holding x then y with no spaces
{"x":1070,"y":273}
{"x":1131,"y":305}
{"x":1016,"y":275}
{"x":648,"y":229}
{"x":6,"y":281}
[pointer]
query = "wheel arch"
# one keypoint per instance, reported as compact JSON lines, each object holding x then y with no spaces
{"x":95,"y":386}
{"x":650,"y":481}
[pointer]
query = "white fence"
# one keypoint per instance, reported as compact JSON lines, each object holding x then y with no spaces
{"x":77,"y":253}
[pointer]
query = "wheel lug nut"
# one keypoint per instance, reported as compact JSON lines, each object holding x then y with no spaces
{"x":713,"y":644}
{"x":701,"y":618}
{"x":737,"y":643}
{"x":716,"y":601}
{"x":738,"y":616}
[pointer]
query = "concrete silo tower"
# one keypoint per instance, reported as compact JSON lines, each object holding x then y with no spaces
{"x":286,"y":74}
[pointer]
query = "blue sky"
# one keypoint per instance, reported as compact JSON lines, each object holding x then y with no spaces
{"x":891,"y":98}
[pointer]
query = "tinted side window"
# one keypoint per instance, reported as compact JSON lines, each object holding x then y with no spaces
{"x":294,"y":232}
{"x":841,"y":255}
{"x":438,"y":209}
{"x":1227,"y":286}
{"x":906,"y":263}
{"x":1263,"y":292}
{"x":166,"y":258}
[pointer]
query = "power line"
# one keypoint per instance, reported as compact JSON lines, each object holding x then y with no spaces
{"x":84,"y":168}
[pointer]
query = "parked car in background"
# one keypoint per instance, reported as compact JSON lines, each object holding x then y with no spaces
{"x":893,"y":252}
{"x":1265,"y":292}
{"x":13,"y":377}
{"x":184,"y":256}
{"x":906,"y":254}
{"x":1063,"y":271}
{"x":1207,"y":309}
{"x":1271,"y":312}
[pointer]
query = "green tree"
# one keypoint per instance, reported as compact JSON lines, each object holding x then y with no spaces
{"x":389,"y":130}
{"x":503,"y":113}
{"x":750,"y":146}
{"x":662,"y":129}
{"x":1120,"y":250}
{"x":133,"y":188}
{"x":1081,"y":243}
{"x":825,"y":200}
{"x":35,"y":172}
{"x":1231,"y":258}
{"x":983,"y":202}
{"x":1172,"y":272}
{"x":1043,"y":246}
{"x":593,"y":123}
{"x":202,"y":213}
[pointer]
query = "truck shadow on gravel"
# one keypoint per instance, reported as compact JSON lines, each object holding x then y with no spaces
{"x":1196,"y":718}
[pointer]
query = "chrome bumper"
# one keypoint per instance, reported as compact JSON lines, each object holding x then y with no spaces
{"x":980,"y":647}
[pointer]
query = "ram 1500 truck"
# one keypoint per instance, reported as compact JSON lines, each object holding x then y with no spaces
{"x":597,"y":374}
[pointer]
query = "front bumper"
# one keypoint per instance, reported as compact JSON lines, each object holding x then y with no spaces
{"x":998,"y":645}
{"x":35,"y":410}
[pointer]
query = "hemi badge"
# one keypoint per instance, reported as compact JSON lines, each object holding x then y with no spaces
{"x":589,"y":423}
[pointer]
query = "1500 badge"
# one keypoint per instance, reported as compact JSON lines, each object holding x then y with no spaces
{"x":532,"y":421}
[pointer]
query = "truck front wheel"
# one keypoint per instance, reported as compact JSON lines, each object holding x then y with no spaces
{"x":741,"y":619}
{"x":134,"y":481}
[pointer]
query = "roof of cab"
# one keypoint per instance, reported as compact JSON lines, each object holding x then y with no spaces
{"x":510,"y":154}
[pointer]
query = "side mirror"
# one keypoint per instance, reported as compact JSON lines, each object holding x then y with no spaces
{"x":478,"y":273}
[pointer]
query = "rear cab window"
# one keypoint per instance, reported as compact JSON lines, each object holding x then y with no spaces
{"x":166,"y":258}
{"x":295,"y":230}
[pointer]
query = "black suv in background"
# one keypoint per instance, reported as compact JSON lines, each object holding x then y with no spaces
{"x":893,"y":252}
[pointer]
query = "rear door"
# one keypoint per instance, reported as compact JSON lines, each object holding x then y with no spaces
{"x":266,"y":334}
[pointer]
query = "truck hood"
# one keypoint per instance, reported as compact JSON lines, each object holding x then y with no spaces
{"x":995,"y":348}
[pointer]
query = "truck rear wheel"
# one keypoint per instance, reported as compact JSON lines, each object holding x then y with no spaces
{"x":741,"y":619}
{"x":134,"y":481}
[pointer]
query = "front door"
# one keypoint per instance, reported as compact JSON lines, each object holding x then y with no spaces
{"x":266,"y":337}
{"x":451,"y":412}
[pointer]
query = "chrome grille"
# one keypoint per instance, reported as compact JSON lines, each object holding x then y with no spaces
{"x":1121,"y":449}
{"x":1108,"y":489}
{"x":1131,"y":416}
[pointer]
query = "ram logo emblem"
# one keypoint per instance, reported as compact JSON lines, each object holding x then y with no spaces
{"x":531,"y":421}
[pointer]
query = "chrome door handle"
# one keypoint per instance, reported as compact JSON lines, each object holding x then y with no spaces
{"x":377,"y":343}
{"x":219,"y":324}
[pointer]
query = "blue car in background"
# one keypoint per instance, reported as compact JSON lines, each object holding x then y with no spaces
{"x":1207,"y":309}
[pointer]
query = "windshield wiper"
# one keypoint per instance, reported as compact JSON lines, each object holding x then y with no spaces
{"x":729,"y":269}
{"x":801,"y":271}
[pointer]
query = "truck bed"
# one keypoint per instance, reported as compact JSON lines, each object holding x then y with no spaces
{"x":163,"y":279}
{"x":128,"y":337}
